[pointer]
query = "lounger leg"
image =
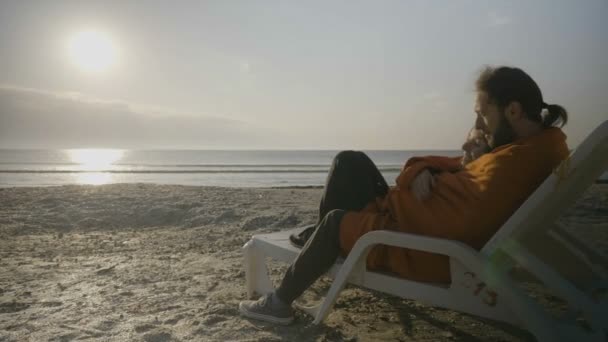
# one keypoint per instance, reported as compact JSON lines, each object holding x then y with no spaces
{"x":311,"y":310}
{"x":256,"y":273}
{"x":594,"y":313}
{"x":354,"y":264}
{"x":595,"y":261}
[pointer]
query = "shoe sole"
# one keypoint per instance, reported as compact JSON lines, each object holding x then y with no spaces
{"x":293,"y":243}
{"x":265,"y":318}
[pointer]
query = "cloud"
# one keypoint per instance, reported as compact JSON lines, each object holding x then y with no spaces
{"x":495,"y":19}
{"x":35,"y":118}
{"x":87,"y":99}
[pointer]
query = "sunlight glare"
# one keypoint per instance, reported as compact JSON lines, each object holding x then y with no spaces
{"x":95,"y":159}
{"x":91,"y":51}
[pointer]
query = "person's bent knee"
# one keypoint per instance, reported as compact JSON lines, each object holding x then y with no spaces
{"x":348,"y":156}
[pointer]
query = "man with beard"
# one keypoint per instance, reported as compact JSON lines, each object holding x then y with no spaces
{"x":466,"y":203}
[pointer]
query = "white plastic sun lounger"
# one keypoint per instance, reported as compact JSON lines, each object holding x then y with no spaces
{"x":481,"y":282}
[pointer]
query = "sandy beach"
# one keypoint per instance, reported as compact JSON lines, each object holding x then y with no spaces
{"x":134,"y":262}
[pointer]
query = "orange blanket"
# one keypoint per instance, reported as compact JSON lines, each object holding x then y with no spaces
{"x":467,"y":204}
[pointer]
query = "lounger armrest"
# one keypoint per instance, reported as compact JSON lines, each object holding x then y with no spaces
{"x":454,"y":249}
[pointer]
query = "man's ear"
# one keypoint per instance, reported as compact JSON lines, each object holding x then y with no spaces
{"x":514,"y":111}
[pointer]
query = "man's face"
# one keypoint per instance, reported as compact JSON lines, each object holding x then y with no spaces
{"x":492,"y":121}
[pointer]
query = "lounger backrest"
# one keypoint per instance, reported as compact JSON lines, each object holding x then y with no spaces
{"x":559,"y":191}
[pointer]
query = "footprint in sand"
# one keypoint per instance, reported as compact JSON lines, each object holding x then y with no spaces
{"x":174,"y":320}
{"x":158,"y":337}
{"x":51,"y":304}
{"x":213,"y":319}
{"x":144,"y":327}
{"x":105,"y":325}
{"x":64,"y":338}
{"x":13,"y":307}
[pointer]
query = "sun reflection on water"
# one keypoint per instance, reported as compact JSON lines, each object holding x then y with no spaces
{"x":91,"y":160}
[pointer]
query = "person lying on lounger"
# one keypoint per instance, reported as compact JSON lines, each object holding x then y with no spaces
{"x":468,"y":200}
{"x":474,"y":146}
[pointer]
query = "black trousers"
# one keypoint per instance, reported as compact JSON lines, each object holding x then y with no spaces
{"x":353,"y":181}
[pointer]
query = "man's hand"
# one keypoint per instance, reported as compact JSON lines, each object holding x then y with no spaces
{"x":475,"y":146}
{"x":422,"y":184}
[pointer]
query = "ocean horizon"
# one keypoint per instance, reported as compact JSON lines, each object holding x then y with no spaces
{"x":230,"y":168}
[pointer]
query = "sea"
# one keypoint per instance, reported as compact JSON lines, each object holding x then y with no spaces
{"x":226,"y":168}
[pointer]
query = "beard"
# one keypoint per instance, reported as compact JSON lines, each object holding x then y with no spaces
{"x":503,"y":135}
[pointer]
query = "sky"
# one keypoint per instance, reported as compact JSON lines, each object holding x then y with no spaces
{"x":286,"y":74}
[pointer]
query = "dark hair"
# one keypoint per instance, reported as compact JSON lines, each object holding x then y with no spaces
{"x":505,"y":85}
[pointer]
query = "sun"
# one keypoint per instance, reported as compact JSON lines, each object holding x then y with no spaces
{"x":92,"y":51}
